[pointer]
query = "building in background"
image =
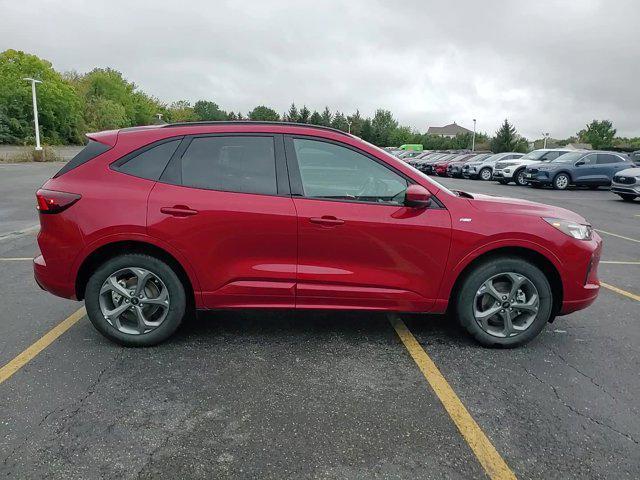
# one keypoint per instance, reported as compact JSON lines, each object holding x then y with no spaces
{"x":448,"y":131}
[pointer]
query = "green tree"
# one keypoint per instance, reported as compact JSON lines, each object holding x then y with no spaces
{"x":181,"y":111}
{"x":59,"y":106}
{"x":400,"y":136}
{"x":305,"y":114}
{"x":599,"y":134}
{"x":326,"y":117}
{"x":366,"y":132}
{"x":315,"y":118}
{"x":340,"y":122}
{"x":508,"y":140}
{"x":208,"y":111}
{"x":356,"y":123}
{"x":265,"y":114}
{"x":104,"y":114}
{"x":292,"y":115}
{"x":382,"y":124}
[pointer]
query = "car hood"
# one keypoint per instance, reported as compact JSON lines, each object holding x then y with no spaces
{"x":629,"y":172}
{"x":507,"y":205}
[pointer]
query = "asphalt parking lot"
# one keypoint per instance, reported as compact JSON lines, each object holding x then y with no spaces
{"x":290,"y":395}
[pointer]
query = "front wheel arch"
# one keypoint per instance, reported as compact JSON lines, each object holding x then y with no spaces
{"x":542,"y":262}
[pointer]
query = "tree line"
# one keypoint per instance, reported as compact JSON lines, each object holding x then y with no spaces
{"x":71,"y":104}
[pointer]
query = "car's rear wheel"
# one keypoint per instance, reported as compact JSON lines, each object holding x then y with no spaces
{"x":504,"y":302}
{"x":561,"y":181}
{"x":627,"y":197}
{"x":135,"y":300}
{"x":520,"y":178}
{"x":485,"y":174}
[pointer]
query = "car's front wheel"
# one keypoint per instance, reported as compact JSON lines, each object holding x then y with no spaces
{"x":135,"y":300}
{"x":485,"y":174}
{"x":520,"y":178}
{"x":561,"y":181}
{"x":504,"y":302}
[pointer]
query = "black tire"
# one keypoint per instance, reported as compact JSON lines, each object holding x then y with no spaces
{"x":518,"y":177}
{"x":485,"y":174}
{"x":561,"y":181}
{"x":464,"y":303}
{"x":176,"y":290}
{"x":627,"y":197}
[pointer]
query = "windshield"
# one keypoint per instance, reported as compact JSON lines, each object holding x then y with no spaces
{"x":568,"y":157}
{"x":535,"y":155}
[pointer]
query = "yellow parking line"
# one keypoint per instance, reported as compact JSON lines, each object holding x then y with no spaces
{"x":632,"y":296}
{"x":16,"y":259}
{"x":34,"y":349}
{"x":619,"y":236}
{"x":489,"y":458}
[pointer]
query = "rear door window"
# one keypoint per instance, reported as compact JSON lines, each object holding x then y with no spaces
{"x":606,"y":158}
{"x":243,"y":164}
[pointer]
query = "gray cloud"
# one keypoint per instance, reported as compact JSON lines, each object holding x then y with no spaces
{"x":546,"y":65}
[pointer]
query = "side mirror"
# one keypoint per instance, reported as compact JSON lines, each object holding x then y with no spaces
{"x":417,"y":196}
{"x":581,"y":162}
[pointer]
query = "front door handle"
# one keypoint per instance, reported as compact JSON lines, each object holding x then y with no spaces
{"x":178,"y":211}
{"x":327,"y":221}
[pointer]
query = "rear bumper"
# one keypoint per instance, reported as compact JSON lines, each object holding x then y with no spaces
{"x":52,"y":281}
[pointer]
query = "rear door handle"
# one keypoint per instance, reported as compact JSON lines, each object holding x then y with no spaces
{"x":327,"y":220}
{"x":178,"y":211}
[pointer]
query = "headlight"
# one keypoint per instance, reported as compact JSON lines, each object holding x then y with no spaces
{"x":573,"y":229}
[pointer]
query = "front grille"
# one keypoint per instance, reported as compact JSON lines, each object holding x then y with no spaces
{"x":624,"y":180}
{"x":532,"y":170}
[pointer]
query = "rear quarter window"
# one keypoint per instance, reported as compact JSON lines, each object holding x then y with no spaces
{"x":91,"y":151}
{"x":149,"y":162}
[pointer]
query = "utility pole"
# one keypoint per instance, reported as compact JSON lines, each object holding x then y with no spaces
{"x":473,"y":142}
{"x":35,"y":109}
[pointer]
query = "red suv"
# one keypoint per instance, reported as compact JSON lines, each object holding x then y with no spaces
{"x":147,"y":224}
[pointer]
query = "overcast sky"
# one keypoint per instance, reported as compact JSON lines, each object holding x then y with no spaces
{"x":546,"y":65}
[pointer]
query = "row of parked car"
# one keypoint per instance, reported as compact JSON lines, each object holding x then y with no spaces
{"x":557,"y":167}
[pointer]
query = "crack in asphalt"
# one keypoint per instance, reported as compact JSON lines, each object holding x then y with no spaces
{"x":90,"y":391}
{"x":578,"y":412}
{"x":573,"y":367}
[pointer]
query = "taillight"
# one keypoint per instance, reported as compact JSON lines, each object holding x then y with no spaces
{"x":50,"y":201}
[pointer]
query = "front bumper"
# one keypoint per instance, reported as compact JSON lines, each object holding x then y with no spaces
{"x":580,"y":275}
{"x":625,"y":189}
{"x":503,"y":174}
{"x":544,"y":177}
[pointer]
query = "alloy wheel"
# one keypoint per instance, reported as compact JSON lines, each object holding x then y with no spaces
{"x":506,"y":304}
{"x":520,"y":178}
{"x":485,"y":174}
{"x":134,"y":300}
{"x":561,"y":181}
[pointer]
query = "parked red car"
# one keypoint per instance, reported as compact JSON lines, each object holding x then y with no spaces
{"x":441,"y":167}
{"x":148,"y":223}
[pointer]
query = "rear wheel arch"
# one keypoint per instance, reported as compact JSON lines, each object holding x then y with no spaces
{"x":113,"y":249}
{"x":532,"y":256}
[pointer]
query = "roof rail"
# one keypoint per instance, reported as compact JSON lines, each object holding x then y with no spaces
{"x":254,"y":122}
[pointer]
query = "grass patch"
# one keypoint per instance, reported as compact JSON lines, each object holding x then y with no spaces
{"x":47,"y":154}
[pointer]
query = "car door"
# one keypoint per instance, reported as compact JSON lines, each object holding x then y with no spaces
{"x":608,"y":164}
{"x":224,"y":203}
{"x":585,"y":170}
{"x":358,"y":245}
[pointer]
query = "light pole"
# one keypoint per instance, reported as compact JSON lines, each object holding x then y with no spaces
{"x":35,"y":109}
{"x":349,"y":123}
{"x":545,"y":135}
{"x":473,"y":142}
